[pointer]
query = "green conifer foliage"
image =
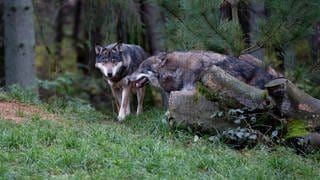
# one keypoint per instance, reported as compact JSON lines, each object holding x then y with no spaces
{"x":288,"y":21}
{"x":197,"y":25}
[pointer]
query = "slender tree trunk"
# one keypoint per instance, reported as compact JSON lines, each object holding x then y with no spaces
{"x":225,"y":10}
{"x":121,"y":26}
{"x":244,"y":17}
{"x":76,"y":25}
{"x":1,"y":47}
{"x":234,"y":9}
{"x":315,"y":52}
{"x":59,"y":31}
{"x":81,"y":49}
{"x":315,"y":44}
{"x":151,"y":17}
{"x":96,"y":38}
{"x":19,"y":43}
{"x":257,"y":12}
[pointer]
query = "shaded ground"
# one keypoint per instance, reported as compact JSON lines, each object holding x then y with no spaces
{"x":19,"y":112}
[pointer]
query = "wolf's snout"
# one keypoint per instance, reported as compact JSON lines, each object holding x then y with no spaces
{"x":109,"y":74}
{"x":142,"y":82}
{"x":133,"y":77}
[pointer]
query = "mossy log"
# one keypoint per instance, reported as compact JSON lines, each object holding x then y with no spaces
{"x":218,"y":91}
{"x":233,"y":90}
{"x":190,"y":109}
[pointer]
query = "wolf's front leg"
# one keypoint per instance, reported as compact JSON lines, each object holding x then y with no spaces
{"x":116,"y":92}
{"x":124,"y":103}
{"x":128,"y":111}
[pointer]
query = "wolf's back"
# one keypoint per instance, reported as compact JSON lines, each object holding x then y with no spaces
{"x":132,"y":53}
{"x":136,"y":52}
{"x":136,"y":55}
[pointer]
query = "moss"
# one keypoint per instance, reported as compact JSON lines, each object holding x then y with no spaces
{"x":264,"y":94}
{"x":207,"y":93}
{"x":296,"y":127}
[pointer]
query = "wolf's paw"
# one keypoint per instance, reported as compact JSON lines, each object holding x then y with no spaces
{"x":121,"y":117}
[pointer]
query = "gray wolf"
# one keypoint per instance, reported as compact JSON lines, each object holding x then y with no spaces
{"x":177,"y":71}
{"x":116,"y":62}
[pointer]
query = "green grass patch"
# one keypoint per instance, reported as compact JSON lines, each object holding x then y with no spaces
{"x":86,"y":144}
{"x":141,"y":147}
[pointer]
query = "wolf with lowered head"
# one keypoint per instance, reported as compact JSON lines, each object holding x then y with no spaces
{"x":176,"y":71}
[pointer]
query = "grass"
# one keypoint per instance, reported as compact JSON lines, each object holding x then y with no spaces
{"x":89,"y":145}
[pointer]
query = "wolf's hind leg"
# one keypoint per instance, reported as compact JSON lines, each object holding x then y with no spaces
{"x":140,"y":97}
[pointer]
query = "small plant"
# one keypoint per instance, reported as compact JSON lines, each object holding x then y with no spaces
{"x":240,"y":137}
{"x":16,"y":92}
{"x":217,"y":114}
{"x":20,"y":113}
{"x":243,"y":116}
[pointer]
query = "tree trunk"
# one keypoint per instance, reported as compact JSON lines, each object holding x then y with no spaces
{"x":151,"y":18}
{"x":76,"y":24}
{"x":257,"y":12}
{"x":19,"y":43}
{"x":96,"y":38}
{"x":1,"y":48}
{"x":244,"y":17}
{"x":315,"y":44}
{"x":234,"y":9}
{"x":59,"y":33}
{"x":225,"y":10}
{"x":121,"y":25}
{"x":315,"y":52}
{"x":81,"y":49}
{"x":91,"y":33}
{"x":239,"y":12}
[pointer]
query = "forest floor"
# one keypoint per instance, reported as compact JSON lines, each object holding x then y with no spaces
{"x":19,"y":112}
{"x":71,"y":140}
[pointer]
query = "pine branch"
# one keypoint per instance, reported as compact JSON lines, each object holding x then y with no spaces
{"x":251,"y":49}
{"x":179,"y":19}
{"x":212,"y":27}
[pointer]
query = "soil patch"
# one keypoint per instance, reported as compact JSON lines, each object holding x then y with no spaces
{"x":20,"y":112}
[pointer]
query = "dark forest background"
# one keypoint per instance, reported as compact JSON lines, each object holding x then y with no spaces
{"x":284,"y":34}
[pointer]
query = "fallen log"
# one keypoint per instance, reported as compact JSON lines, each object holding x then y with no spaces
{"x":190,"y":109}
{"x":220,"y":93}
{"x":293,"y":103}
{"x":274,"y":107}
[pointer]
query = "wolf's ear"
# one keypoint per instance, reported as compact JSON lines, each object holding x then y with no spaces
{"x":118,"y":47}
{"x":105,"y":51}
{"x":163,"y":58}
{"x":98,"y":49}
